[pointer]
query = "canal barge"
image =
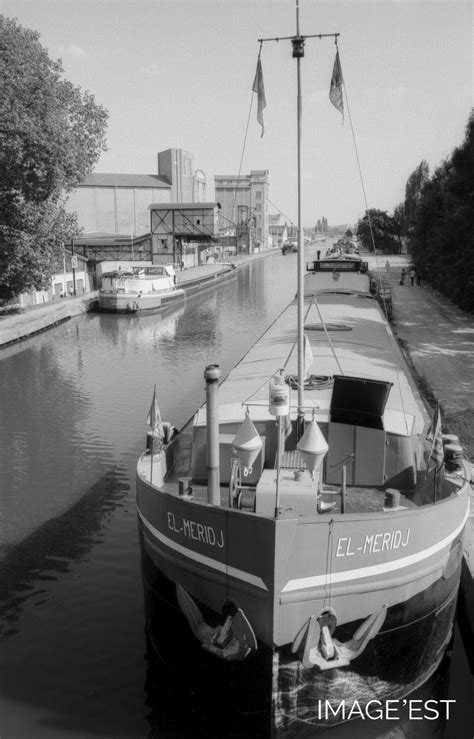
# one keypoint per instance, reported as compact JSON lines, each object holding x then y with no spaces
{"x":307,"y":523}
{"x":332,"y":541}
{"x":135,"y":289}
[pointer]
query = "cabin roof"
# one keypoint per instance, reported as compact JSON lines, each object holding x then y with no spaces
{"x":361,"y":345}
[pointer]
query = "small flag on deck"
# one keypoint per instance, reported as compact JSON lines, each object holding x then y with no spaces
{"x":335,"y":91}
{"x":436,"y":456}
{"x":154,"y":416}
{"x":260,"y":90}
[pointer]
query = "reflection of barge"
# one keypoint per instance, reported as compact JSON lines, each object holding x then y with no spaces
{"x":135,"y":289}
{"x":346,"y":568}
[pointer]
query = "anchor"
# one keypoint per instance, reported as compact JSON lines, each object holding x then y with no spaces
{"x":316,"y":647}
{"x":232,"y":642}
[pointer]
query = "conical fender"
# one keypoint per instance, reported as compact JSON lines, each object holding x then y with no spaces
{"x":312,"y":446}
{"x":247,"y":443}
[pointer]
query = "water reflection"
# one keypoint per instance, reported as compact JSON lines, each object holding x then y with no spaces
{"x":234,"y":701}
{"x":54,"y":547}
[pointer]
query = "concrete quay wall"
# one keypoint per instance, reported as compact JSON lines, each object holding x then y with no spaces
{"x":17,"y":326}
{"x":23,"y":324}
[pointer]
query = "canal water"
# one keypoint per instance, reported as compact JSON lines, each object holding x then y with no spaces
{"x":74,"y":660}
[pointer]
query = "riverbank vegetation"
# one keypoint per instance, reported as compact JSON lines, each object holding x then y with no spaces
{"x":435,"y":223}
{"x":379,"y":231}
{"x":51,"y":136}
{"x":441,"y":235}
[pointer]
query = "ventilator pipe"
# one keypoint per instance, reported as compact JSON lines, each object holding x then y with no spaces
{"x":212,"y":374}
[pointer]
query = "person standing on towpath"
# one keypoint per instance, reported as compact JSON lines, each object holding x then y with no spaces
{"x":412,"y":274}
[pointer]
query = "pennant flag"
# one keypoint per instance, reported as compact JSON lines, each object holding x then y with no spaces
{"x":335,"y":91}
{"x":154,"y":416}
{"x":436,"y":456}
{"x":260,"y":90}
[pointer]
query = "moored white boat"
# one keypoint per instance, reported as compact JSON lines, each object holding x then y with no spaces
{"x":133,"y":289}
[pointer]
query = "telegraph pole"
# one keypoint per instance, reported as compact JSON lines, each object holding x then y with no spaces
{"x":73,"y":265}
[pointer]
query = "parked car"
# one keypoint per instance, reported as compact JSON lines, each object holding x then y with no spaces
{"x":289,"y":247}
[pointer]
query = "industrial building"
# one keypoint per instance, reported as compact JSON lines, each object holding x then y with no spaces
{"x":243,"y":201}
{"x":119,"y":203}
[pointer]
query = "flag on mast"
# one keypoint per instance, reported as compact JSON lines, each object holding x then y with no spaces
{"x":335,"y":91}
{"x":154,"y":416}
{"x":436,"y":455}
{"x":260,"y":90}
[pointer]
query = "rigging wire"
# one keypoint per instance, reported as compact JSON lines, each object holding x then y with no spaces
{"x":329,"y":559}
{"x":381,"y":281}
{"x":323,"y":323}
{"x":358,"y":161}
{"x":359,"y":167}
{"x":280,"y":211}
{"x":245,"y":139}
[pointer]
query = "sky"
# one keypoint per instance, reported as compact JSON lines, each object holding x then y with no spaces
{"x":179,"y":73}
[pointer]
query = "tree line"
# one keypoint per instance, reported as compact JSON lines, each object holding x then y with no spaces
{"x":51,"y":136}
{"x":436,"y":222}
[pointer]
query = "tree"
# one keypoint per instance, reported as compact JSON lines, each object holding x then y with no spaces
{"x":399,"y":222}
{"x":442,"y":237}
{"x":376,"y":230}
{"x":413,"y":194}
{"x":51,"y":135}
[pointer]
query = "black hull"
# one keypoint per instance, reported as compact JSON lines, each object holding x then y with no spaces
{"x":272,"y":694}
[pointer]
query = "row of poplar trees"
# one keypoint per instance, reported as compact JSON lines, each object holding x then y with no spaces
{"x":440,"y":222}
{"x":435,"y":223}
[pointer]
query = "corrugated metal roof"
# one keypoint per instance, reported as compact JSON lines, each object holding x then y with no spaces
{"x":105,"y":239}
{"x":99,"y":179}
{"x":182,"y":206}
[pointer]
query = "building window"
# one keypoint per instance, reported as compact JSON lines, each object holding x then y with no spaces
{"x":258,"y":195}
{"x":198,"y":221}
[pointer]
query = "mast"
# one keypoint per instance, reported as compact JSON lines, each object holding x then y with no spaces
{"x":298,"y":42}
{"x":298,"y":53}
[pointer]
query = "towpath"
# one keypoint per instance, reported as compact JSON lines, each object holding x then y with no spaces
{"x":438,"y":339}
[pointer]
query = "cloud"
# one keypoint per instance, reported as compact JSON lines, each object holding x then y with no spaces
{"x":150,"y":70}
{"x":76,"y":52}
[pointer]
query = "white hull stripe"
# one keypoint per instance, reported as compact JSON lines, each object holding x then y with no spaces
{"x":381,"y":569}
{"x":197,"y":557}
